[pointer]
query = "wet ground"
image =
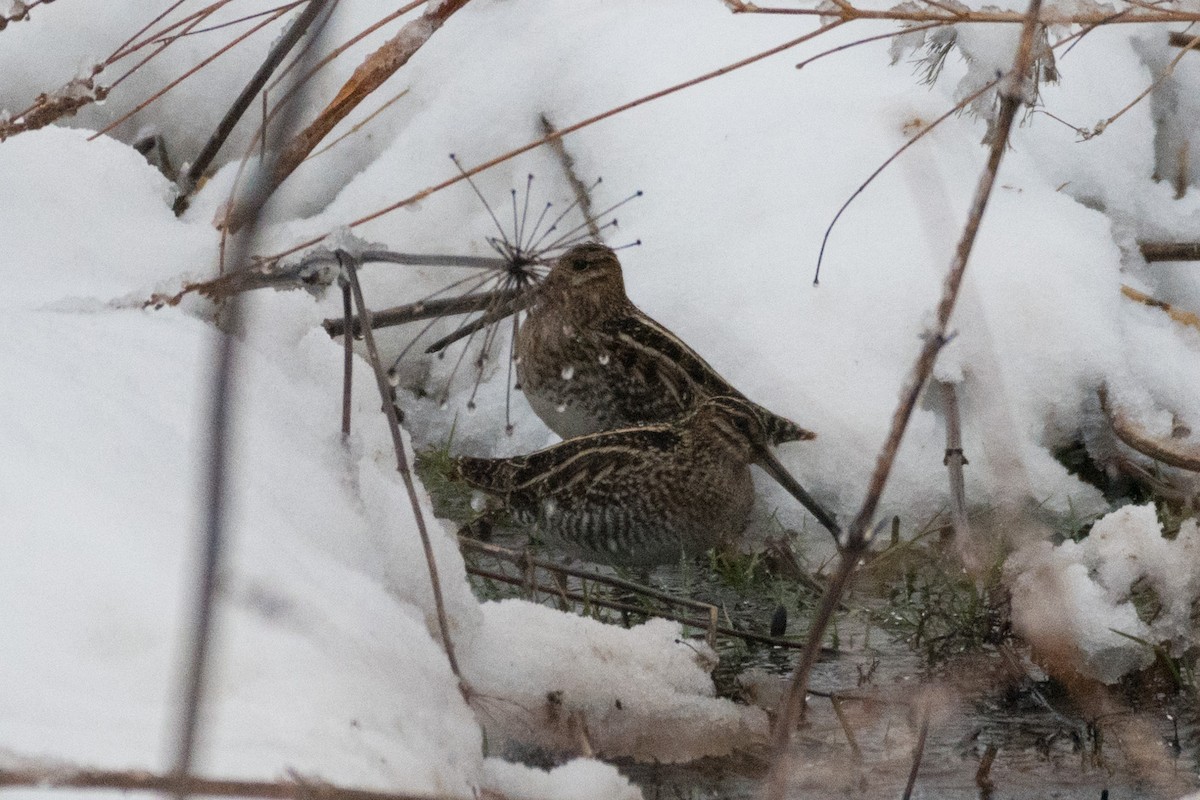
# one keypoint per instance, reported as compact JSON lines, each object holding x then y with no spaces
{"x":909,"y":651}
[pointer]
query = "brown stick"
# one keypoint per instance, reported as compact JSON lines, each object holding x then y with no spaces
{"x":1168,"y":451}
{"x":370,"y":75}
{"x":134,"y":781}
{"x":389,"y":408}
{"x":279,"y":50}
{"x":918,"y":754}
{"x":511,"y":154}
{"x":903,"y":13}
{"x":347,"y":360}
{"x":1182,"y":317}
{"x":415,"y":312}
{"x":1170,"y":251}
{"x":954,"y":462}
{"x":858,"y":536}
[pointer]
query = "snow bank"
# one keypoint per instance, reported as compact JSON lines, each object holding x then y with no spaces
{"x":328,"y":659}
{"x":1074,"y":602}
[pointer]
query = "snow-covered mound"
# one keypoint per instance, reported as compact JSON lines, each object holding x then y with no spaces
{"x":327,"y":659}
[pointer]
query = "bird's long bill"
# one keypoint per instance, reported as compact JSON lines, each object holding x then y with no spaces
{"x":768,"y":461}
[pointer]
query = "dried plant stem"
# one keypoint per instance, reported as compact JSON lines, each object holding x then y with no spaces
{"x":425,"y":309}
{"x":857,"y":537}
{"x":369,"y":76}
{"x":347,"y":360}
{"x":500,"y":159}
{"x":216,"y":490}
{"x":954,"y":461}
{"x":1169,"y":451}
{"x":279,"y":50}
{"x":385,"y":395}
{"x":578,"y":187}
{"x":189,"y":73}
{"x":918,"y":754}
{"x":1170,"y":251}
{"x":905,"y":13}
{"x":137,"y":781}
{"x":1187,"y":318}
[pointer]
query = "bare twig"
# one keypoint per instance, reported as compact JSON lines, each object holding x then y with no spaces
{"x":189,"y":73}
{"x":918,"y":753}
{"x":467,"y":173}
{"x":905,"y":13}
{"x":578,"y":187}
{"x":425,"y":309}
{"x":137,"y":781}
{"x":389,"y":407}
{"x":279,"y":50}
{"x":1170,"y":251}
{"x":1169,"y":451}
{"x":347,"y":359}
{"x":983,"y":775}
{"x":316,"y":269}
{"x":1187,"y":318}
{"x":216,"y":487}
{"x":954,"y":462}
{"x":858,"y":536}
{"x":369,"y":76}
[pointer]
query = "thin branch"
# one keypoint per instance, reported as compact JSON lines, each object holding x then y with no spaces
{"x":1186,"y":318}
{"x":904,"y":13}
{"x":1170,"y":251}
{"x":954,"y":461}
{"x":189,"y":73}
{"x":347,"y":359}
{"x":369,"y":76}
{"x":279,"y":50}
{"x":959,"y":106}
{"x":858,"y":536}
{"x":1168,"y":451}
{"x":389,"y":407}
{"x":137,"y":781}
{"x":214,"y":533}
{"x":468,"y":173}
{"x":425,"y":309}
{"x":918,"y":754}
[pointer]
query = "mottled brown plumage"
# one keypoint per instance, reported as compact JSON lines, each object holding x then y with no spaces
{"x":641,"y":495}
{"x":589,"y":360}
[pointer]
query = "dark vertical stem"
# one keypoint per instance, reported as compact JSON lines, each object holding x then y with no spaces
{"x":858,"y":536}
{"x":954,"y":462}
{"x":294,"y":32}
{"x":215,"y":494}
{"x":348,"y":360}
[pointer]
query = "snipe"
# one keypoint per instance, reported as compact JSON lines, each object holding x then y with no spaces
{"x":589,"y":360}
{"x":641,"y":495}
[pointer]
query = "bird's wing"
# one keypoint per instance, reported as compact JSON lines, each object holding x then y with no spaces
{"x":678,"y":365}
{"x":649,"y":346}
{"x":579,"y":462}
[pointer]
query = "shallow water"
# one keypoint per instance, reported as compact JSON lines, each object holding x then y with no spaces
{"x":986,"y":700}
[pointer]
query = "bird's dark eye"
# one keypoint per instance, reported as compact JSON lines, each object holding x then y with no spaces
{"x":579,"y":265}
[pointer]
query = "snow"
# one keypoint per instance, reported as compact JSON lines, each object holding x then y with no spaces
{"x":1073,"y":601}
{"x":329,"y":660}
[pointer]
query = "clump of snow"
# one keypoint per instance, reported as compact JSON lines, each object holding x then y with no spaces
{"x":1074,"y":601}
{"x":639,"y":697}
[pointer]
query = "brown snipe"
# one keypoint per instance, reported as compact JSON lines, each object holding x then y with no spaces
{"x":589,"y":360}
{"x":642,"y":495}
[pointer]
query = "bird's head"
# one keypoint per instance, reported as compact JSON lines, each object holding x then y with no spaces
{"x":587,"y":277}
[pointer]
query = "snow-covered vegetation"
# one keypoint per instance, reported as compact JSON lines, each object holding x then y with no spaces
{"x":328,"y":657}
